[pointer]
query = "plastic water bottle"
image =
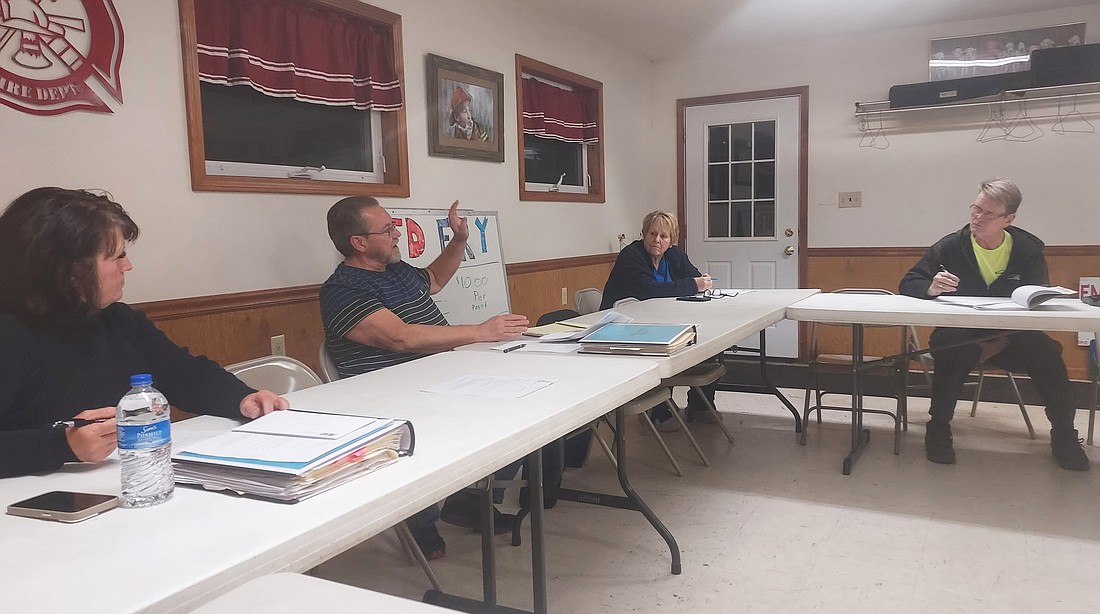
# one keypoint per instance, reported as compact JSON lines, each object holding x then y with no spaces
{"x":145,"y":444}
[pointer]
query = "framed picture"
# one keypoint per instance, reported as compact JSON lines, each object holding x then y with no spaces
{"x":465,"y":111}
{"x":991,"y":54}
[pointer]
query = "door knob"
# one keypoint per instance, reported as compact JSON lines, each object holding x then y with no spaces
{"x":789,"y":250}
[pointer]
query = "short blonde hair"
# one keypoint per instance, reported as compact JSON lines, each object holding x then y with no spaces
{"x":661,"y":218}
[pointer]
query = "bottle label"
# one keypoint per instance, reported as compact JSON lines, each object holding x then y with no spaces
{"x":144,"y":436}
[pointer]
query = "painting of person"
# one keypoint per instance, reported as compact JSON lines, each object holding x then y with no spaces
{"x":461,"y":123}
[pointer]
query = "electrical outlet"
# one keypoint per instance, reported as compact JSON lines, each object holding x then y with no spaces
{"x":565,"y":296}
{"x":278,"y":345}
{"x":850,"y":199}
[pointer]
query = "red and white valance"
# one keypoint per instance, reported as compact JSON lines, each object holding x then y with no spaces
{"x":287,"y":50}
{"x":556,"y":113}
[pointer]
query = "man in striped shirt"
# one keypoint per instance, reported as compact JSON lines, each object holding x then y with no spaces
{"x":377,"y":311}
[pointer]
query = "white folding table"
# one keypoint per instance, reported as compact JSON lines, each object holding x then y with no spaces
{"x":858,"y":310}
{"x":198,"y":545}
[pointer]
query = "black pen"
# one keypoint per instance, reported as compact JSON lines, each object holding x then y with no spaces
{"x":77,"y":422}
{"x":944,"y":269}
{"x":513,"y":348}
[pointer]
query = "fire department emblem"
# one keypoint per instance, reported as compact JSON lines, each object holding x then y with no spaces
{"x":52,"y":50}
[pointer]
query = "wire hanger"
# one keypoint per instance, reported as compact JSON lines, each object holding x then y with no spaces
{"x":994,"y":129}
{"x":1074,"y":116}
{"x":873,"y":136}
{"x":1022,"y":129}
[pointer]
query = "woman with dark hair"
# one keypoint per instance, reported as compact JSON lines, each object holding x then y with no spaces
{"x":68,"y":346}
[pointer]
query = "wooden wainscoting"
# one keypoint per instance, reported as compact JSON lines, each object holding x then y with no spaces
{"x":230,"y":328}
{"x":876,"y":267}
{"x":535,"y":288}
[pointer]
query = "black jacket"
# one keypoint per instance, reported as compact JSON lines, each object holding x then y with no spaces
{"x":1026,"y":266}
{"x":632,"y":276}
{"x":46,"y":377}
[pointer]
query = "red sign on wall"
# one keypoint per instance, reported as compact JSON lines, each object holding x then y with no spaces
{"x":50,"y":50}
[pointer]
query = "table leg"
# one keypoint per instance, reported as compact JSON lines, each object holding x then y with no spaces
{"x":860,"y":436}
{"x":538,"y":554}
{"x":767,"y":382}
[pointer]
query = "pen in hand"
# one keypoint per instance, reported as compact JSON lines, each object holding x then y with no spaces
{"x":77,"y":423}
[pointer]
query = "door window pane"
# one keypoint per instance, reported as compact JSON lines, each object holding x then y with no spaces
{"x":742,"y":181}
{"x":765,"y":140}
{"x":718,"y":182}
{"x":718,"y":220}
{"x":741,"y":219}
{"x":763,"y":213}
{"x":742,"y":141}
{"x":718,"y":143}
{"x":764,"y":180}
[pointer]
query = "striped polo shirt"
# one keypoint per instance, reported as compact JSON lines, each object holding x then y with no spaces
{"x":352,"y":294}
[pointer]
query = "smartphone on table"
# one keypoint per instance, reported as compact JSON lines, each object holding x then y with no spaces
{"x":63,"y":506}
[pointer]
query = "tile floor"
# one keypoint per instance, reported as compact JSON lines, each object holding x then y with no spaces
{"x":774,"y":527}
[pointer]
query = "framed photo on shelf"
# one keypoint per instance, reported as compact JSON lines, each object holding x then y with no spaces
{"x":465,"y":110}
{"x":996,"y":53}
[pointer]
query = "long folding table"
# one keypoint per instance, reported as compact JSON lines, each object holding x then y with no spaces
{"x":858,"y":310}
{"x":202,"y":544}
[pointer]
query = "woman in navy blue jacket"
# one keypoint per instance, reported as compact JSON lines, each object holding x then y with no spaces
{"x":652,"y":267}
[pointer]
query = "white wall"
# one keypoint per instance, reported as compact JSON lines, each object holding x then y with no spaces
{"x":200,"y":243}
{"x":917,"y":190}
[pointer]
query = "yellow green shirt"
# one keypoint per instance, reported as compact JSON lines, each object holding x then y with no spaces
{"x":992,"y":262}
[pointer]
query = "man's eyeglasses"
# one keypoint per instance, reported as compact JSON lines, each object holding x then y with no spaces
{"x":978,"y":212}
{"x":386,"y":230}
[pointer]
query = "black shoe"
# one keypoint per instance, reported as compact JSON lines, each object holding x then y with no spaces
{"x":429,"y":541}
{"x":1067,"y":450}
{"x":937,"y":442}
{"x":464,"y":511}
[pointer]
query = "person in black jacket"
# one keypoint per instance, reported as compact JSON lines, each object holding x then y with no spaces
{"x":68,"y":346}
{"x":990,"y":257}
{"x":652,"y":267}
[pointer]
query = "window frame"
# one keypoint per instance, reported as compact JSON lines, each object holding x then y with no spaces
{"x":394,"y":139}
{"x":593,"y":153}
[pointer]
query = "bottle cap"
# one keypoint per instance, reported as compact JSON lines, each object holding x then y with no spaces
{"x":141,"y":379}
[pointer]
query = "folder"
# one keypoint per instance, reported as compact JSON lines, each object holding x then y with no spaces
{"x":639,"y":339}
{"x":291,"y":455}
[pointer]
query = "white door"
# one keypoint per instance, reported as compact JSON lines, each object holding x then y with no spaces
{"x":741,"y":199}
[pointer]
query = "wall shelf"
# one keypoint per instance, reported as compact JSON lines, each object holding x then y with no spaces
{"x":1029,"y":95}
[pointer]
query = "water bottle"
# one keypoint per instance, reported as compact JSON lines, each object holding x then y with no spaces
{"x":145,"y":444}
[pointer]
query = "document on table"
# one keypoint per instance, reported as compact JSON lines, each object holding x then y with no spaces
{"x":493,"y":386}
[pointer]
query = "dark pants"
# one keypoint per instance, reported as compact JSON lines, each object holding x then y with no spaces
{"x":1030,"y":352}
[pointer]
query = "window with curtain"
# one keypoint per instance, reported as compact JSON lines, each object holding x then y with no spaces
{"x":299,"y":96}
{"x":560,"y":134}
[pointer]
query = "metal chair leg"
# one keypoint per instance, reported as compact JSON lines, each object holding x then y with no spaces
{"x":661,"y":442}
{"x":977,"y":394}
{"x":714,"y":411}
{"x":603,"y":446}
{"x":1020,"y":402}
{"x":406,"y":537}
{"x":691,"y":438}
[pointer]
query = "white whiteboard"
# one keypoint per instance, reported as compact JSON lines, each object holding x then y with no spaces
{"x":479,"y":289}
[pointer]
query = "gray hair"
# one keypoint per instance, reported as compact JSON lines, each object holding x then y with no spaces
{"x":345,"y":220}
{"x":1004,"y":192}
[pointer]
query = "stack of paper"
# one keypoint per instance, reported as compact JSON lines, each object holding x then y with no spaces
{"x":639,"y":339}
{"x":291,"y":455}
